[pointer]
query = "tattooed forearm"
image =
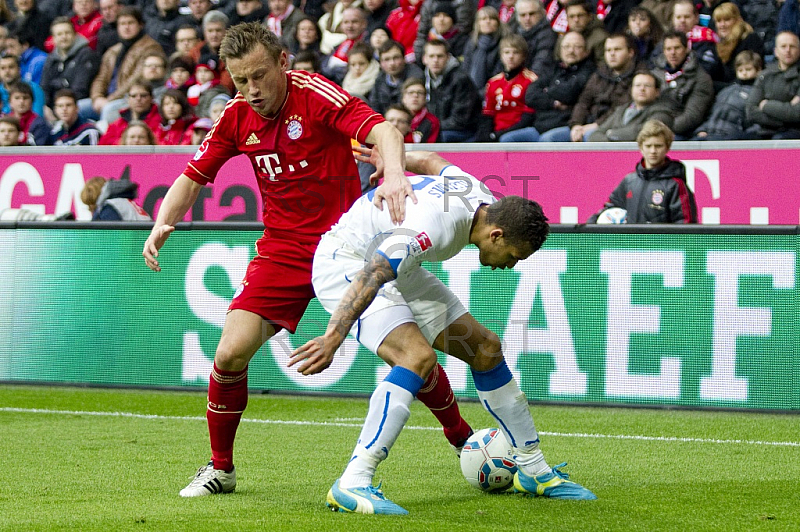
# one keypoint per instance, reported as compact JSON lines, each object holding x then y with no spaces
{"x":360,"y":294}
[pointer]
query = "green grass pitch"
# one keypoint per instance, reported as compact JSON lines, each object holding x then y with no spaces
{"x":66,"y":466}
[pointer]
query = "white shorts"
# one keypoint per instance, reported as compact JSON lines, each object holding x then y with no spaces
{"x":421,"y":298}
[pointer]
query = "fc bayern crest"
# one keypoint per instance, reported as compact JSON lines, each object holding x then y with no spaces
{"x":658,"y":197}
{"x":516,"y":90}
{"x":294,"y":129}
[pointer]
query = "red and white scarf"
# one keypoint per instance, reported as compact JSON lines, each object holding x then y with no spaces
{"x":702,"y":34}
{"x":275,"y":23}
{"x":557,"y":16}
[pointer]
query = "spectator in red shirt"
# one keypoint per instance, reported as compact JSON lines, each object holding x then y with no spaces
{"x":176,"y":119}
{"x":424,"y":126}
{"x":138,"y":134}
{"x":215,"y":24}
{"x":140,"y":107}
{"x":504,"y":109}
{"x":34,"y":129}
{"x":87,"y":22}
{"x":403,"y":22}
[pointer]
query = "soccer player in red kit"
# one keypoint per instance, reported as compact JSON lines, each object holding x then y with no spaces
{"x":295,"y":128}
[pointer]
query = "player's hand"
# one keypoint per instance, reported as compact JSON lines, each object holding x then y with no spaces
{"x":394,"y":190}
{"x":317,"y":355}
{"x":158,"y":236}
{"x":371,"y":156}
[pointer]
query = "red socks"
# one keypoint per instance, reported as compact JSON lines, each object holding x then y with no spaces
{"x":437,"y":395}
{"x":227,"y":399}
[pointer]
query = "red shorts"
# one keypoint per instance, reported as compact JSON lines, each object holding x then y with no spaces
{"x":277,"y":285}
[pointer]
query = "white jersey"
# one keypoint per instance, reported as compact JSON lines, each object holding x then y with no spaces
{"x":435,"y":229}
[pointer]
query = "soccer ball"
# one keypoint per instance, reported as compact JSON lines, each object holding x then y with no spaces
{"x":614,"y":215}
{"x":487,"y":460}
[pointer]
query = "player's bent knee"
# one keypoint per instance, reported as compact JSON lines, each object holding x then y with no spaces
{"x":489,"y":353}
{"x":228,"y":358}
{"x":427,"y":363}
{"x":420,"y":358}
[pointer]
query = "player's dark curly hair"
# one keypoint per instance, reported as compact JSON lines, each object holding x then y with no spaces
{"x":242,"y":39}
{"x":522,"y":221}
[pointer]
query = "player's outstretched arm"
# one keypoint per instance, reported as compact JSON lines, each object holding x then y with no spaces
{"x":396,"y":185}
{"x":426,"y":162}
{"x":179,"y":199}
{"x":318,"y":353}
{"x":417,"y":162}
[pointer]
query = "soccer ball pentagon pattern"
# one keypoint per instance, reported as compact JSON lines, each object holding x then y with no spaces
{"x":614,"y":215}
{"x":487,"y":460}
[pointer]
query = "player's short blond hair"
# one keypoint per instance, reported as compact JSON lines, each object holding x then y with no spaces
{"x":655,"y":128}
{"x":242,"y":39}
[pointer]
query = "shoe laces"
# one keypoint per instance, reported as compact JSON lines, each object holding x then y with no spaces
{"x":376,"y":490}
{"x":560,"y":474}
{"x":202,"y":474}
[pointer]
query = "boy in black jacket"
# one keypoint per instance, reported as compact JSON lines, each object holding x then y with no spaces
{"x":656,"y":192}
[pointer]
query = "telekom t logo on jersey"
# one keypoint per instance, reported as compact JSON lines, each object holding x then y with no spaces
{"x":270,"y":164}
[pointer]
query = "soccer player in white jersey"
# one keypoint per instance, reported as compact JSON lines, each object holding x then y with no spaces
{"x":367,"y":273}
{"x":296,"y":129}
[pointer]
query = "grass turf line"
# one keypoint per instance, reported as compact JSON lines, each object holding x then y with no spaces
{"x":79,"y":472}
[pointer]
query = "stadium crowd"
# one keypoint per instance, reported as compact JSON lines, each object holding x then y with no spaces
{"x":148,"y":72}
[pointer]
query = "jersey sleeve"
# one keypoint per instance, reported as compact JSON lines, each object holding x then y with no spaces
{"x":215,"y":150}
{"x":407,"y":247}
{"x":340,"y":111}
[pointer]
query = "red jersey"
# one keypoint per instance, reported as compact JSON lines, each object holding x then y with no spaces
{"x":505,"y":99}
{"x":301,"y":157}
